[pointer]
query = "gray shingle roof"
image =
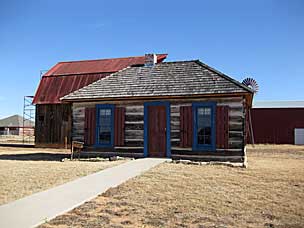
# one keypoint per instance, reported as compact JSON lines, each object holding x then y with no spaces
{"x":163,"y":79}
{"x":15,"y":121}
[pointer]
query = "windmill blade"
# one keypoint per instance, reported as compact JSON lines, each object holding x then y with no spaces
{"x":252,"y":84}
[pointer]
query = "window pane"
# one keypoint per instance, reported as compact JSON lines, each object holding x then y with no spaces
{"x":105,"y":126}
{"x":204,"y":125}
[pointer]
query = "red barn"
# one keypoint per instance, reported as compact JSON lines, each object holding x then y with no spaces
{"x":278,"y":122}
{"x":53,"y":118}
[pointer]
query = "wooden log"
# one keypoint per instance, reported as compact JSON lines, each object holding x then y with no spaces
{"x":140,"y":100}
{"x":135,"y":113}
{"x":236,"y":134}
{"x":134,"y":118}
{"x":234,"y":126}
{"x":236,"y":118}
{"x":134,"y":142}
{"x":210,"y":158}
{"x":132,"y":126}
{"x":175,"y":114}
{"x":189,"y":151}
{"x":175,"y":135}
{"x":235,"y":144}
{"x":134,"y":134}
{"x":134,"y":109}
{"x":175,"y":119}
{"x":109,"y":154}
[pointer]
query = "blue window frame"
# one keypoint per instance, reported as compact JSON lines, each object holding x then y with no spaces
{"x":104,"y":125}
{"x":204,"y":126}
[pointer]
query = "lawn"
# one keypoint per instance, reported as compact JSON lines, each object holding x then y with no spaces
{"x":24,"y":171}
{"x":269,"y":193}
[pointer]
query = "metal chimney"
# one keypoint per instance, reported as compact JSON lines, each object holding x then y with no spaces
{"x":150,"y":59}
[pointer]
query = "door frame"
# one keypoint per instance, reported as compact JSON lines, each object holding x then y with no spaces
{"x":146,"y":130}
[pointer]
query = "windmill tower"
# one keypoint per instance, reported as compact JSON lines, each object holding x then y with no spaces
{"x":253,"y":85}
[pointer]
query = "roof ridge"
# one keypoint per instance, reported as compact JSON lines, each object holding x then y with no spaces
{"x":83,"y":73}
{"x":11,"y":116}
{"x":179,"y":61}
{"x":92,"y":60}
{"x":225,"y":76}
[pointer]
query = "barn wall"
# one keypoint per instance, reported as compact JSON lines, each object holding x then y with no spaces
{"x":276,"y":125}
{"x":52,"y":125}
{"x":134,"y":127}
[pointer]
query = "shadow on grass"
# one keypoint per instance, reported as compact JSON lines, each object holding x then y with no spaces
{"x":24,"y":145}
{"x":35,"y":157}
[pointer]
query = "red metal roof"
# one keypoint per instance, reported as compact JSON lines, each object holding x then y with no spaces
{"x":66,"y":77}
{"x":52,"y":88}
{"x":97,"y":66}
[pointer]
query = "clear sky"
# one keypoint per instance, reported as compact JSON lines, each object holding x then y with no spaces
{"x":262,"y":39}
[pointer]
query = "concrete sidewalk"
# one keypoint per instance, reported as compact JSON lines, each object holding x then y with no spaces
{"x":40,"y":207}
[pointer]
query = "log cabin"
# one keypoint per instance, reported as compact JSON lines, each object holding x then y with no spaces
{"x":53,"y":117}
{"x":180,"y":110}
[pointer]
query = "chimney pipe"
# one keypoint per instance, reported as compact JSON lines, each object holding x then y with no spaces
{"x":150,"y":59}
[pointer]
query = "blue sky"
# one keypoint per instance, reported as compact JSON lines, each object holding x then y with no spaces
{"x":262,"y":39}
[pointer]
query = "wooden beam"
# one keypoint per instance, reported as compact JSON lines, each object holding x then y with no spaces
{"x":148,"y":98}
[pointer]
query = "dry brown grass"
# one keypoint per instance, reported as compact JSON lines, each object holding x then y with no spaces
{"x":270,"y":193}
{"x":16,"y":139}
{"x":24,"y":176}
{"x":23,"y":150}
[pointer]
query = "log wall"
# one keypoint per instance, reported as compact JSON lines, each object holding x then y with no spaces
{"x":134,"y":128}
{"x":235,"y":150}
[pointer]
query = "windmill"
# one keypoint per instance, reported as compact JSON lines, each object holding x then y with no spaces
{"x":253,"y":85}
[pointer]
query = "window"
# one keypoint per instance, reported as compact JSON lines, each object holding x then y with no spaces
{"x":204,"y":125}
{"x":204,"y":130}
{"x":105,"y":125}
